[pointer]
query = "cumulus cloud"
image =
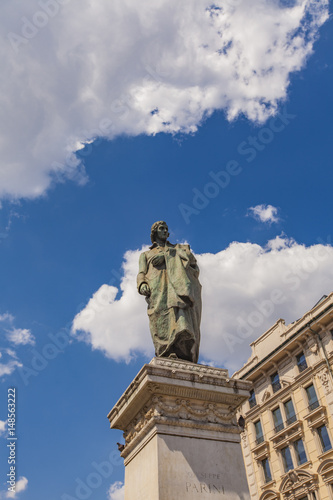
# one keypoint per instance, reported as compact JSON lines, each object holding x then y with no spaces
{"x":7,"y":317}
{"x":118,"y":327}
{"x":3,"y":424}
{"x":20,"y":336}
{"x":246,"y":288}
{"x":116,"y":491}
{"x":77,"y":70}
{"x":264,"y":213}
{"x":21,"y":485}
{"x":8,"y":367}
{"x":9,"y":360}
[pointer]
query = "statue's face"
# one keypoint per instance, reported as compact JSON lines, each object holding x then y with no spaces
{"x":162,"y":232}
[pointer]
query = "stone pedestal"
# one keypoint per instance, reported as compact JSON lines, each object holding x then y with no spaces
{"x":181,"y":436}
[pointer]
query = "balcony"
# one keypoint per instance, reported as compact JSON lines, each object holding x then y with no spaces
{"x":252,"y":403}
{"x":261,"y":448}
{"x":313,"y":406}
{"x":291,"y":419}
{"x":279,"y":427}
{"x":259,"y":440}
{"x":291,"y":432}
{"x":316,"y":416}
{"x":302,"y":366}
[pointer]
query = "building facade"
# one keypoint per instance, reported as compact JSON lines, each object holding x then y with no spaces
{"x":287,"y":441}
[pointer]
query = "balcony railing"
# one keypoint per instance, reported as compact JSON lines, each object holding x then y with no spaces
{"x":279,"y":427}
{"x":291,"y":419}
{"x":276,"y":386}
{"x":313,"y":405}
{"x":252,"y":402}
{"x":302,"y":366}
{"x":260,"y":439}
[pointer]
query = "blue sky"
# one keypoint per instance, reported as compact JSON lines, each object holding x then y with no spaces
{"x":70,"y":236}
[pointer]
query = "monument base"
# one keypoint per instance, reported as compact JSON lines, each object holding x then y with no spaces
{"x":181,"y":436}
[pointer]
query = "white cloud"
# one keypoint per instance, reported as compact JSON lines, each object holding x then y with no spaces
{"x":116,"y":491}
{"x":9,"y":361}
{"x":87,"y":69}
{"x":7,"y":317}
{"x":3,"y":424}
{"x":264,"y":213}
{"x":117,"y":326}
{"x":246,"y":288}
{"x":21,"y":485}
{"x":9,"y":367}
{"x":20,"y":336}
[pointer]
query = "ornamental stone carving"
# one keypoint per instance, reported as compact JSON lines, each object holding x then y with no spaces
{"x":325,"y":380}
{"x":181,"y":412}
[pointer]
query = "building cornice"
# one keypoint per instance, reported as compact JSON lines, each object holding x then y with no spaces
{"x":306,"y":321}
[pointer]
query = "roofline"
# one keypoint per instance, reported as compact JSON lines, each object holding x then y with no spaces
{"x":286,"y":341}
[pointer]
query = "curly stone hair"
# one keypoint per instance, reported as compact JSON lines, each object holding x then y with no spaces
{"x":153,"y":230}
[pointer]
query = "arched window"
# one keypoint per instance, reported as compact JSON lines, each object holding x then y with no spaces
{"x":326,"y":471}
{"x":299,"y":484}
{"x":270,"y":495}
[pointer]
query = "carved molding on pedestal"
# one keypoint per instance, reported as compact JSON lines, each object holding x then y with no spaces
{"x":179,"y":413}
{"x":179,"y":398}
{"x":190,"y":367}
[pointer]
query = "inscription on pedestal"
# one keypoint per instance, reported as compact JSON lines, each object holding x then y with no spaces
{"x":204,"y":482}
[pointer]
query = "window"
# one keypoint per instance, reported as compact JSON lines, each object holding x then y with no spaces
{"x":259,"y":433}
{"x":290,"y":412}
{"x":277,"y":418}
{"x":286,"y":459}
{"x":266,"y":469}
{"x":301,"y":362}
{"x":300,"y":452}
{"x":312,"y":397}
{"x":252,"y":399}
{"x":275,"y":381}
{"x":324,"y":438}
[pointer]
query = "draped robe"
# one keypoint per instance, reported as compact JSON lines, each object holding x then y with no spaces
{"x":174,"y":304}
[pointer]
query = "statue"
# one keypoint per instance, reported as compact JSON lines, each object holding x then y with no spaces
{"x":168,"y":278}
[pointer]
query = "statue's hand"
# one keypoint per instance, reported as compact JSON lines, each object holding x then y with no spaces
{"x":144,"y":289}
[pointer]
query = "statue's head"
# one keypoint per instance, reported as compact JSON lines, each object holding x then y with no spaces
{"x":158,"y":227}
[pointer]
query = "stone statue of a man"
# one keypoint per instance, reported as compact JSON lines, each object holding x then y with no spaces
{"x":168,"y":277}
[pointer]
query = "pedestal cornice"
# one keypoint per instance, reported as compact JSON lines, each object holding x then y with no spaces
{"x":178,"y":397}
